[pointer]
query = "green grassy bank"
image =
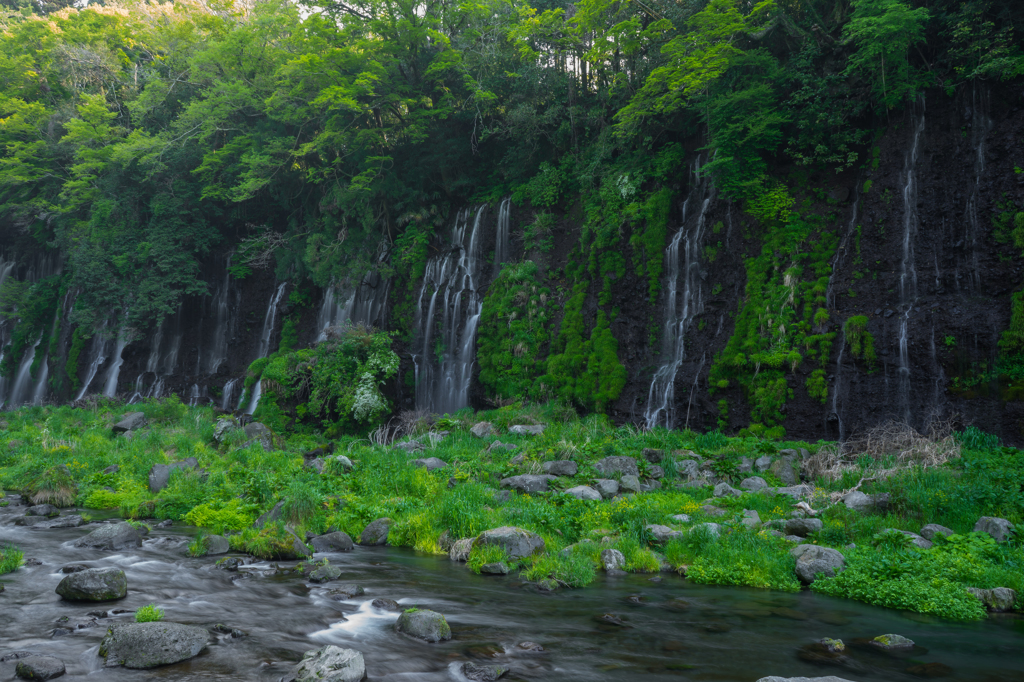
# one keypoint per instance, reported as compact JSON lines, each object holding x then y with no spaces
{"x":59,"y":454}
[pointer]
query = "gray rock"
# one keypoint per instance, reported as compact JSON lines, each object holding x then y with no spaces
{"x":999,"y":599}
{"x":655,"y":472}
{"x":385,"y":604}
{"x":274,"y":514}
{"x":663,"y":534}
{"x":785,"y":470}
{"x":430,"y":463}
{"x":376,"y":533}
{"x":495,"y":568}
{"x":932,"y":529}
{"x":762,"y":464}
{"x":333,"y":542}
{"x":508,"y":447}
{"x":803,"y":527}
{"x":69,"y":521}
{"x":112,"y":469}
{"x":795,"y":539}
{"x":460,"y":549}
{"x":814,"y":559}
{"x":316,"y":464}
{"x":630,"y":483}
{"x":516,"y":542}
{"x":999,"y":529}
{"x":612,"y":560}
{"x":858,"y":501}
{"x":257,"y":432}
{"x":527,"y":429}
{"x":430,"y":626}
{"x":39,"y":668}
{"x":680,"y":518}
{"x":892,"y":642}
{"x":222,"y":428}
{"x":528,"y":483}
{"x":688,"y":469}
{"x":43,"y":510}
{"x":344,"y":462}
{"x":482,"y":429}
{"x":160,"y":474}
{"x":653,"y":456}
{"x":751,"y":519}
{"x":915,"y":539}
{"x":346,"y":591}
{"x":753,"y":484}
{"x":111,"y":536}
{"x":830,"y":678}
{"x":217,"y":544}
{"x":650,"y":484}
{"x":712,"y":510}
{"x":584,"y":492}
{"x":711,"y":528}
{"x":796,"y":491}
{"x":625,"y":466}
{"x":483,"y":673}
{"x":148,"y":645}
{"x":560,"y":467}
{"x":726,"y":490}
{"x":130,"y":422}
{"x":608,"y":487}
{"x":331,"y":664}
{"x":410,"y":446}
{"x":745,"y":466}
{"x":324,"y":574}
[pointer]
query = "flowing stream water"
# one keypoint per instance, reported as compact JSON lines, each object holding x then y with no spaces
{"x":672,"y":629}
{"x":683,"y":301}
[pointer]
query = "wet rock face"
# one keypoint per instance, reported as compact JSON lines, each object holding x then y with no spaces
{"x":94,"y":584}
{"x":429,"y":626}
{"x":331,"y":664}
{"x":148,"y":645}
{"x":112,"y":536}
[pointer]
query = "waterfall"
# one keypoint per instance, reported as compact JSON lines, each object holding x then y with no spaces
{"x":908,"y":274}
{"x":217,"y":352}
{"x":838,"y":385}
{"x":362,"y":305}
{"x":194,"y":395}
{"x":110,"y":384}
{"x":683,"y":301}
{"x":228,"y":393}
{"x":21,"y":390}
{"x":39,"y":392}
{"x":502,"y":244}
{"x":268,"y":321}
{"x":6,"y":267}
{"x":265,"y":336}
{"x":97,"y":352}
{"x":444,"y":364}
{"x":980,"y":127}
{"x":830,"y":296}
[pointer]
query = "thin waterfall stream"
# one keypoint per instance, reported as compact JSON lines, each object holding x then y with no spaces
{"x":908,"y":272}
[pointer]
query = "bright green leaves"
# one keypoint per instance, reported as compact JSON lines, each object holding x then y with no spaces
{"x":92,"y":135}
{"x":884,"y":31}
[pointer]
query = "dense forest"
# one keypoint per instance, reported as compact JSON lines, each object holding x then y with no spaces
{"x":320,"y":142}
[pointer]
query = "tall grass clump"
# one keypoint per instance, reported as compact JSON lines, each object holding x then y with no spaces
{"x":11,"y":559}
{"x":739,"y":557}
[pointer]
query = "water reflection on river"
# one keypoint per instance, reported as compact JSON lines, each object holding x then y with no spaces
{"x":671,"y":630}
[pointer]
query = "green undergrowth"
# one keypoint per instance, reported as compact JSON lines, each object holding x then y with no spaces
{"x":11,"y":559}
{"x":46,"y":449}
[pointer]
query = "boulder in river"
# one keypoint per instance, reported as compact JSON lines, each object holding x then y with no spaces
{"x":830,"y":678}
{"x":40,"y":668}
{"x":331,"y":664}
{"x":333,"y":542}
{"x":112,"y":536}
{"x":999,"y":599}
{"x":148,"y":645}
{"x":495,"y":568}
{"x":625,"y":466}
{"x":42,"y":510}
{"x":94,"y":584}
{"x":385,"y":604}
{"x":483,"y":673}
{"x":324,"y":574}
{"x":130,"y":422}
{"x":217,"y":544}
{"x":999,"y":529}
{"x":892,"y":642}
{"x":813,"y":559}
{"x":376,"y":533}
{"x":560,"y":467}
{"x":528,"y":483}
{"x":516,"y":542}
{"x":612,"y":560}
{"x":69,"y":521}
{"x":160,"y":474}
{"x":430,"y":626}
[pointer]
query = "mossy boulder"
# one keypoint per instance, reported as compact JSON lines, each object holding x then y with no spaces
{"x":94,"y":584}
{"x":149,"y":645}
{"x":331,"y":664}
{"x":112,"y":536}
{"x":430,"y":626}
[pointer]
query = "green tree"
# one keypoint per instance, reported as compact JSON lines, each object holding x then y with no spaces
{"x":884,"y":31}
